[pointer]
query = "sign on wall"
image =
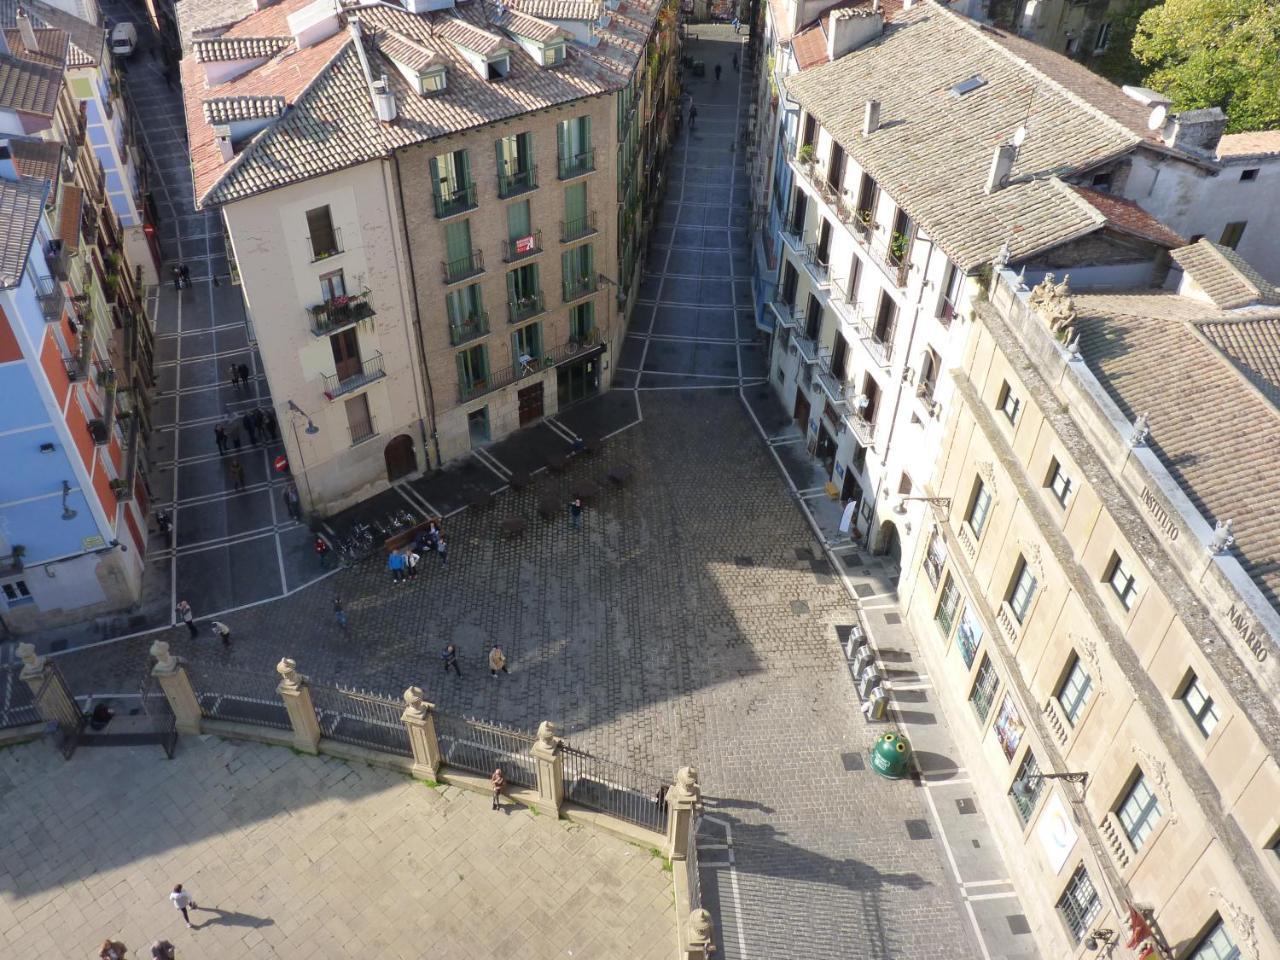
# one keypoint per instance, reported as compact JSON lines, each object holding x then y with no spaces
{"x":1056,"y":832}
{"x":1009,"y":727}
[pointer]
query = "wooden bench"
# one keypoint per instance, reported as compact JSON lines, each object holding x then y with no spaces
{"x":406,"y":537}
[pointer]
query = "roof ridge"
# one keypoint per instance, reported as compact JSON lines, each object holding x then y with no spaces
{"x":1235,"y":268}
{"x":1224,"y":359}
{"x":982,"y":31}
{"x":1069,"y":189}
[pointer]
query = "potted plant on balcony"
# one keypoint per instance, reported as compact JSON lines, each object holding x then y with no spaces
{"x":898,"y":247}
{"x":806,"y":156}
{"x":118,"y":487}
{"x":16,"y":555}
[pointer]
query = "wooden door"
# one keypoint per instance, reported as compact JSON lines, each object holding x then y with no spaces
{"x":346,"y":353}
{"x":530,"y":402}
{"x":802,"y":411}
{"x":400,"y":458}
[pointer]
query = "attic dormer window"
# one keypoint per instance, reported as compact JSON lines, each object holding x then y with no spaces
{"x":432,"y":81}
{"x":553,"y":53}
{"x":499,"y":67}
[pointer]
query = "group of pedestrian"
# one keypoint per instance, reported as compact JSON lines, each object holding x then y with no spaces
{"x":160,"y":949}
{"x":259,"y":425}
{"x":403,"y":563}
{"x":181,"y":276}
{"x":239,"y":375}
{"x":188,"y":618}
{"x":497,"y":660}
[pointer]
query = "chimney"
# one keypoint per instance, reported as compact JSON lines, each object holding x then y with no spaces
{"x":313,"y":23}
{"x":384,"y":101}
{"x":1001,"y":166}
{"x":871,"y":118}
{"x":222,"y":136}
{"x":7,"y":169}
{"x":27,"y":32}
{"x":1196,"y":131}
{"x":848,"y":29}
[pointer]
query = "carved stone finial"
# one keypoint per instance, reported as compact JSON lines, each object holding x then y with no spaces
{"x":687,"y":778}
{"x":415,"y":705}
{"x":288,"y":670}
{"x":1242,"y":925}
{"x":30,"y":662}
{"x":701,"y":928}
{"x":1223,"y":538}
{"x":1003,"y":255}
{"x":1141,"y":430}
{"x":1073,"y":347}
{"x":1022,"y":278}
{"x":1042,"y":291}
{"x":165,"y":660}
{"x":547,"y":734}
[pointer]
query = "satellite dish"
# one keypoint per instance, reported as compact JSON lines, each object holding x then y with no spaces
{"x":1158,"y":114}
{"x":1020,"y":136}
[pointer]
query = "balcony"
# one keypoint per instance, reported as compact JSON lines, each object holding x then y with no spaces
{"x":807,"y":349}
{"x":575,"y":288}
{"x":322,"y":248}
{"x":521,"y":181}
{"x":577,"y":165}
{"x":571,"y":230}
{"x":336,"y":384}
{"x":819,"y":270}
{"x":947,"y":313}
{"x":787,"y":316}
{"x":793,"y":234}
{"x":463,"y":268}
{"x":337,"y":312}
{"x":74,"y":370}
{"x":496,"y":381}
{"x":450,"y":203}
{"x":521,"y":247}
{"x":52,"y":298}
{"x":520,"y":309}
{"x":56,"y":258}
{"x":573,"y":349}
{"x":836,"y":388}
{"x":863,"y":429}
{"x":462,"y":331}
{"x":362,"y":430}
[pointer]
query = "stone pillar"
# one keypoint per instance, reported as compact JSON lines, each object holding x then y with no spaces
{"x":682,"y":800}
{"x":56,"y":705}
{"x":699,"y":937}
{"x":297,"y":701}
{"x":419,"y":719}
{"x":546,"y":753}
{"x":173,"y":680}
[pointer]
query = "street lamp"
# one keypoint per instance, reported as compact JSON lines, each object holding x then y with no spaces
{"x":1030,"y":782}
{"x":311,"y":429}
{"x":1099,"y":938}
{"x":900,"y":505}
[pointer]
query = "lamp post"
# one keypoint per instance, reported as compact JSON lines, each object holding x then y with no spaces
{"x":310,"y":430}
{"x":1030,"y":783}
{"x":900,"y":505}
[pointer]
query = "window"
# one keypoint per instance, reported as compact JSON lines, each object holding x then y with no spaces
{"x":1074,"y":691}
{"x":321,"y":233}
{"x":16,"y":593}
{"x":1216,"y":945}
{"x":1101,"y":181}
{"x":498,"y":68}
{"x":935,"y":557}
{"x":573,"y":147}
{"x":516,"y":172}
{"x":519,"y":223}
{"x":1103,"y":40}
{"x":464,"y":308}
{"x":1122,"y":582}
{"x":969,"y":635}
{"x":809,"y":134}
{"x":1058,"y":482}
{"x":1007,"y":403}
{"x":1079,"y":904}
{"x":1021,"y":590}
{"x":951,"y":290}
{"x":1073,"y":46}
{"x":577,"y":221}
{"x":1200,"y":705}
{"x":1026,"y":804}
{"x":1232,"y":233}
{"x":984,"y":689}
{"x":526,"y":345}
{"x":459,"y":262}
{"x":904,"y":485}
{"x":1139,"y":812}
{"x":552,"y":54}
{"x":578,"y":273}
{"x":582,"y":321}
{"x":473,"y":369}
{"x":1249,"y":175}
{"x":946,"y":612}
{"x":451,"y":186}
{"x":433,"y":80}
{"x":868,"y":197}
{"x":979,"y":508}
{"x":332,"y":285}
{"x":359,"y":420}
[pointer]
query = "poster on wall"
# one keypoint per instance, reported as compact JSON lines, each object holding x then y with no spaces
{"x":969,"y":635}
{"x":1056,"y":832}
{"x":1009,"y":728}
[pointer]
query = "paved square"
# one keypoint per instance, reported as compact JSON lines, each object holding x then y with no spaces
{"x":297,"y":857}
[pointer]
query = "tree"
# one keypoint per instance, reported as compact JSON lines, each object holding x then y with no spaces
{"x":1215,"y":53}
{"x":1117,"y":63}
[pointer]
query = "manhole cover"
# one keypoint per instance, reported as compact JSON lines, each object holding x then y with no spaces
{"x":852,"y":761}
{"x":863,"y":590}
{"x":1018,"y":924}
{"x":892,"y":618}
{"x":804,"y":553}
{"x":966,"y":806}
{"x":799,"y":607}
{"x":919,"y":830}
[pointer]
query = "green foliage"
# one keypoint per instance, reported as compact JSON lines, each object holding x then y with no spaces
{"x":1223,"y":53}
{"x":1117,"y":63}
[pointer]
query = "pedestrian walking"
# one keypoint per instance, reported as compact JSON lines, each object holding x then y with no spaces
{"x":339,"y":613}
{"x":162,"y":950}
{"x":291,"y":502}
{"x":260,"y":422}
{"x":499,"y":783}
{"x":233,"y":431}
{"x":735,"y":62}
{"x":442,"y":548}
{"x":717,"y":73}
{"x":575,"y":513}
{"x":165,"y":525}
{"x":737,"y":24}
{"x":237,"y":474}
{"x":168,"y":75}
{"x":250,"y":428}
{"x":693,"y":117}
{"x":177,"y":277}
{"x":182,"y":900}
{"x":411,"y":560}
{"x":322,"y":552}
{"x":186,"y":616}
{"x":220,"y":438}
{"x":244,"y":374}
{"x":450,"y":658}
{"x":186,"y":275}
{"x":112,"y":950}
{"x":235,"y":377}
{"x":222,"y":632}
{"x":395,"y":563}
{"x":660,"y":798}
{"x":497,"y":661}
{"x":269,"y":419}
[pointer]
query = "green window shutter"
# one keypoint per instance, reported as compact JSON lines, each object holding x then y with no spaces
{"x":474,"y":300}
{"x":513,"y":287}
{"x":562,"y":139}
{"x":518,"y":220}
{"x":434,"y":166}
{"x":457,"y":240}
{"x":584,"y":131}
{"x":575,"y":202}
{"x":462,"y":167}
{"x":453,"y":307}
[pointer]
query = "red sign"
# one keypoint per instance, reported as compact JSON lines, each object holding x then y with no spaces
{"x":281,"y":464}
{"x":525,"y":244}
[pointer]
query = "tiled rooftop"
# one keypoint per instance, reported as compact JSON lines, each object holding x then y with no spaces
{"x":1208,"y":384}
{"x":933,"y":150}
{"x":29,"y":87}
{"x":328,"y":121}
{"x":1243,"y":146}
{"x":1125,"y":215}
{"x":1224,"y":276}
{"x":238,"y":48}
{"x":51,"y":45}
{"x":20,"y":204}
{"x":37,"y":159}
{"x":86,"y":39}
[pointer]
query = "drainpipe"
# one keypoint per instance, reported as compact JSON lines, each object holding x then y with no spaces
{"x":417,"y":320}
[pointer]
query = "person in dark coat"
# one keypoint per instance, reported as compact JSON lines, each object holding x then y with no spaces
{"x":250,"y":427}
{"x":270,"y":418}
{"x":244,"y":373}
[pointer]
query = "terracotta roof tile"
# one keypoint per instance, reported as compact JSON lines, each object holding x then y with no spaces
{"x":561,"y":9}
{"x":21,"y":202}
{"x":400,"y":49}
{"x":69,"y":219}
{"x":51,"y":46}
{"x":87,"y":40}
{"x":1128,"y":216}
{"x":29,"y":87}
{"x":529,"y":27}
{"x":471,"y":36}
{"x":37,"y":159}
{"x":1241,"y":146}
{"x":238,"y":48}
{"x":1224,"y":276}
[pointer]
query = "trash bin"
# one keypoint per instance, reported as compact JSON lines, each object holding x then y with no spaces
{"x":891,"y":756}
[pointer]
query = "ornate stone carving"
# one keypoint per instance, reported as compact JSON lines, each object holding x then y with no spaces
{"x":987,"y":471}
{"x":30,"y":662}
{"x":1112,"y":835}
{"x":1244,"y":930}
{"x":547,"y":735}
{"x":701,"y":929}
{"x":166,"y":662}
{"x":288,"y":670}
{"x":1088,"y":648}
{"x":1223,"y":538}
{"x":1141,"y":430}
{"x":1054,"y":304}
{"x":1031,"y":554}
{"x":415,"y":705}
{"x":1156,"y":773}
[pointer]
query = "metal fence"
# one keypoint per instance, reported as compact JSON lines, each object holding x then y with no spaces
{"x":17,"y":702}
{"x":155,"y":704}
{"x":479,"y":747}
{"x":691,"y":865}
{"x":609,"y":787}
{"x":59,"y":707}
{"x":240,"y":696}
{"x":361,"y":718}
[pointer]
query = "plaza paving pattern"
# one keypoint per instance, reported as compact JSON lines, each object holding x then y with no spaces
{"x":692,"y":620}
{"x":297,"y":857}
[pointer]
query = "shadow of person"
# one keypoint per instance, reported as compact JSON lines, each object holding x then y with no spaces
{"x":720,"y":803}
{"x":229,"y":918}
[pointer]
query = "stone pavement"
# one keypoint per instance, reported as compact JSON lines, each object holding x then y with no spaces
{"x":294,"y":857}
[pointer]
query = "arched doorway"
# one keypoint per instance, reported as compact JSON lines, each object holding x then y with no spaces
{"x":400,"y":458}
{"x":887,"y":543}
